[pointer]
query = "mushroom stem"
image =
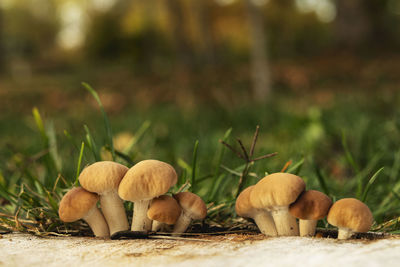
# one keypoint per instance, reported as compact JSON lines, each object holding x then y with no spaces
{"x":182,"y":223}
{"x":140,"y":221}
{"x":157,"y":226}
{"x":307,"y":227}
{"x":265,"y":223}
{"x":97,"y":223}
{"x":286,"y":224}
{"x":114,"y":211}
{"x":344,"y":233}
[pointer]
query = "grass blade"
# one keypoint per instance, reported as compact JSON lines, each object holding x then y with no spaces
{"x":322,"y":180}
{"x":78,"y":169}
{"x":348,"y":154}
{"x":370,"y":183}
{"x":194,"y":166}
{"x":295,"y":168}
{"x":91,"y":143}
{"x":105,"y":117}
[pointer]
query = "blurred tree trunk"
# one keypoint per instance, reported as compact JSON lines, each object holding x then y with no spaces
{"x":2,"y":53}
{"x":178,"y":28}
{"x":351,"y":24}
{"x":259,"y":59}
{"x":202,"y":9}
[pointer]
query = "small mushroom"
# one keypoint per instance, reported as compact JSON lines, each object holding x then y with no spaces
{"x":81,"y":204}
{"x":193,"y":208}
{"x":275,"y":192}
{"x":310,"y":207}
{"x":350,"y":215}
{"x":163,"y":210}
{"x":103,"y":178}
{"x":146,"y":180}
{"x":262,"y":218}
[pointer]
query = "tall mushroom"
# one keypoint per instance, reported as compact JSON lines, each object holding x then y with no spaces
{"x":350,"y":215}
{"x":310,"y":207}
{"x":163,"y":210}
{"x":275,"y":192}
{"x":143,"y":182}
{"x":81,"y":204}
{"x":103,"y":178}
{"x":262,"y":218}
{"x":193,"y":208}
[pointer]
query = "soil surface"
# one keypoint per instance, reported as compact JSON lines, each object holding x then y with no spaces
{"x":230,"y":250}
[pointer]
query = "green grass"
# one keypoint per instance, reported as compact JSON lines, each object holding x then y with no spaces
{"x":345,"y":150}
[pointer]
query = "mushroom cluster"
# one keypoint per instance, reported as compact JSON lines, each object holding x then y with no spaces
{"x":145,"y":184}
{"x":279,"y":199}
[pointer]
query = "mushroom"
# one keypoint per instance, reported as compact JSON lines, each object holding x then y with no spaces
{"x":262,"y":218}
{"x":103,"y":178}
{"x":163,"y":210}
{"x":143,"y":182}
{"x":310,"y":207}
{"x":193,"y":208}
{"x":350,"y":215}
{"x":275,"y":192}
{"x":81,"y":204}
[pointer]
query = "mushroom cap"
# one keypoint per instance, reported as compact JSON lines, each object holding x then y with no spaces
{"x":192,"y":205}
{"x":164,"y":209}
{"x":76,"y":203}
{"x":277,"y":189}
{"x":351,"y":213}
{"x":311,"y":205}
{"x":102,"y":177}
{"x":146,"y":180}
{"x":243,"y":206}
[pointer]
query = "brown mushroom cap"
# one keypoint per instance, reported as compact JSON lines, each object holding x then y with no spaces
{"x":76,"y":204}
{"x":164,"y":209}
{"x":277,"y":189}
{"x":192,"y":204}
{"x":243,"y":206}
{"x":351,"y":213}
{"x":311,"y":205}
{"x":102,"y":176}
{"x":146,"y":180}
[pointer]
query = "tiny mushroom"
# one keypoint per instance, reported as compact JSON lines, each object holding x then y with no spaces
{"x":103,"y":178}
{"x":146,"y":180}
{"x":163,"y":210}
{"x":193,"y":208}
{"x":310,"y":207}
{"x":262,"y":217}
{"x":81,"y":204}
{"x":274,"y":193}
{"x":350,"y":215}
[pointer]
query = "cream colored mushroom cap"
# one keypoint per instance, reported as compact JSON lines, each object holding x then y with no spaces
{"x":192,"y":204}
{"x":76,"y":204}
{"x":146,"y":180}
{"x":103,"y":176}
{"x":243,"y":206}
{"x":164,"y":209}
{"x":311,"y":205}
{"x":351,"y":213}
{"x":277,"y":189}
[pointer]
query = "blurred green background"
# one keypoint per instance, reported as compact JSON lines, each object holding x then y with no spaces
{"x":320,"y":77}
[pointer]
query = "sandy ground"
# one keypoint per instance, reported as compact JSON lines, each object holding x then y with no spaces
{"x":232,"y":250}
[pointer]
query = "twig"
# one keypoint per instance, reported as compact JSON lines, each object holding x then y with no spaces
{"x":233,"y":150}
{"x":253,"y":144}
{"x":246,"y":157}
{"x":287,"y":164}
{"x":265,"y":156}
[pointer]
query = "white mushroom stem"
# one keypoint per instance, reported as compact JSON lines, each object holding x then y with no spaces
{"x":182,"y":223}
{"x":157,"y":226}
{"x":97,"y":223}
{"x":113,"y":209}
{"x":140,"y":221}
{"x":307,"y":227}
{"x":344,"y":233}
{"x":286,"y":224}
{"x":265,"y":223}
